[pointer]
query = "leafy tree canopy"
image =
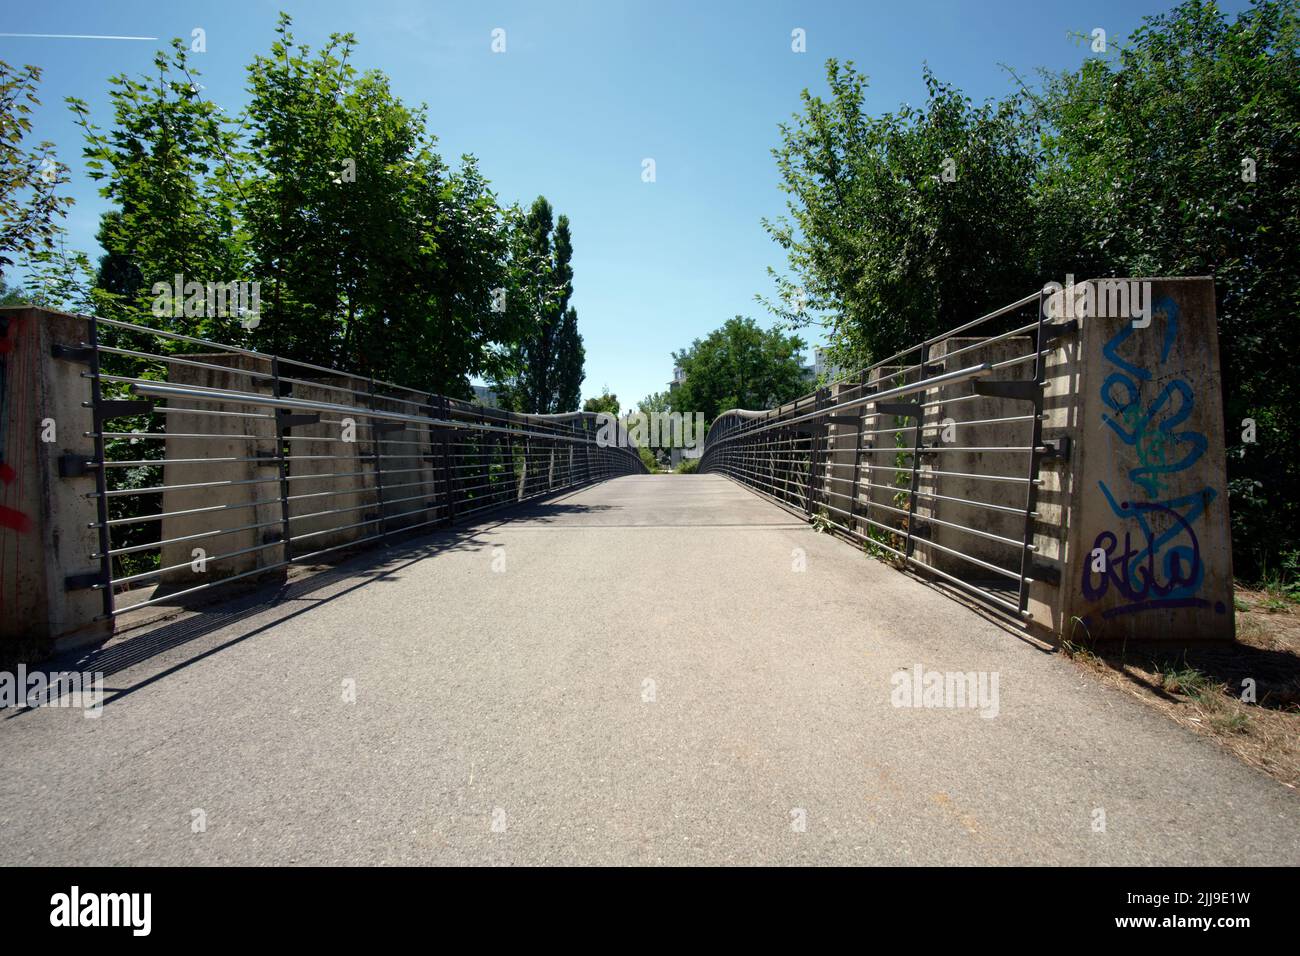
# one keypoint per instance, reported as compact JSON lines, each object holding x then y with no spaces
{"x":739,"y":366}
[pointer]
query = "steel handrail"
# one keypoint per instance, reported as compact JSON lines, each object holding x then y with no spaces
{"x":947,"y":378}
{"x":218,"y":396}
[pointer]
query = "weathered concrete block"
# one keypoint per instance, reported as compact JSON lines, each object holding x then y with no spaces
{"x":251,"y":493}
{"x":949,"y":407}
{"x":328,"y":474}
{"x":885,"y":441}
{"x":408,"y":473}
{"x":1148,"y":552}
{"x":1062,"y":401}
{"x":45,"y":520}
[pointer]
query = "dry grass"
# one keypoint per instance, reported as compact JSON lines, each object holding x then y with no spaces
{"x":1202,"y":688}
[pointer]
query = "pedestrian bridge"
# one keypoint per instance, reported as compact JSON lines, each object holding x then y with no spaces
{"x":338,"y":621}
{"x":651,"y":669}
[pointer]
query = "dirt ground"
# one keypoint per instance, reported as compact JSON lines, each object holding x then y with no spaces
{"x":1209,"y":689}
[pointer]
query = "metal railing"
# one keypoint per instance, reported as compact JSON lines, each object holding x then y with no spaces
{"x":214,"y":463}
{"x":933,"y":457}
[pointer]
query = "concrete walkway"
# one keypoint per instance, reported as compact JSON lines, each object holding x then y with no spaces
{"x":634,"y":673}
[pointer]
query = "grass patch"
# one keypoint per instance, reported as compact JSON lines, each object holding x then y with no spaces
{"x":1181,"y":679}
{"x":1230,"y":722}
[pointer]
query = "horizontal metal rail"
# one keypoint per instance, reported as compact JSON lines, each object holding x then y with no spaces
{"x":268,"y":462}
{"x":936,"y":467}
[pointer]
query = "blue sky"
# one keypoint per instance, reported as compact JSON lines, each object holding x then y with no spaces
{"x":584,"y":92}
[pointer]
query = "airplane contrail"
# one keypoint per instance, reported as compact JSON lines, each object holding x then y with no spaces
{"x":72,"y":36}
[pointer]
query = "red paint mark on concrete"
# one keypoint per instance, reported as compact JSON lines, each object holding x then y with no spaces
{"x":15,"y":520}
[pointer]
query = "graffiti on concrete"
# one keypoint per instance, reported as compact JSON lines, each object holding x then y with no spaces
{"x":1151,"y":557}
{"x":10,"y":517}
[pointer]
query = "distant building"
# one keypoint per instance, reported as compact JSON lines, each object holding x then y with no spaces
{"x":677,"y":453}
{"x":485,"y":396}
{"x":822,"y":366}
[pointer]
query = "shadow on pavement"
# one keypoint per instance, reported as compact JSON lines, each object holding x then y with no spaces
{"x":356,"y":572}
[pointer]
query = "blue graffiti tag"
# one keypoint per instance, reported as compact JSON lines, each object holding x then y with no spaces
{"x":1149,"y":578}
{"x":1164,"y":569}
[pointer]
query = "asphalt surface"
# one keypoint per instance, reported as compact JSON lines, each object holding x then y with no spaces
{"x":638,"y":673}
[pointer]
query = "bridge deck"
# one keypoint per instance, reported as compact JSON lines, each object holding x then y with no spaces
{"x":520,"y":696}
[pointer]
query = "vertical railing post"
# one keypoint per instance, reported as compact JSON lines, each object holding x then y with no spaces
{"x":376,"y":440}
{"x":448,"y":475}
{"x":101,"y":473}
{"x":857,"y":457}
{"x":819,"y":437}
{"x":909,"y":542}
{"x":1035,"y":461}
{"x":483,"y":481}
{"x":281,"y":456}
{"x":586,"y":446}
{"x":568,"y":471}
{"x":523,"y":475}
{"x":772,"y":443}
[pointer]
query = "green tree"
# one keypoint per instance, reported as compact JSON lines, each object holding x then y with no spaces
{"x":117,"y":275}
{"x":1176,"y":156}
{"x":162,"y":163}
{"x":543,"y":372}
{"x":372,"y":254}
{"x":321,"y":194}
{"x":570,"y":362}
{"x":30,"y":176}
{"x":1181,"y":157}
{"x":656,"y":402}
{"x":739,"y":366}
{"x":59,"y":279}
{"x":604,"y":402}
{"x":902,"y":224}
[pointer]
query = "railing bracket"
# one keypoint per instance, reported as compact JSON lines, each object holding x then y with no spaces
{"x":123,"y":409}
{"x":1015,"y":390}
{"x":1047,"y":573}
{"x":1055,"y":330}
{"x":1058,"y":449}
{"x":900,"y":409}
{"x":72,"y":353}
{"x":72,"y":465}
{"x":286,"y":420}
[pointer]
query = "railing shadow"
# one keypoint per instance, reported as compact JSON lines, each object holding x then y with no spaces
{"x":546,"y":512}
{"x":230,"y":609}
{"x":357,"y":571}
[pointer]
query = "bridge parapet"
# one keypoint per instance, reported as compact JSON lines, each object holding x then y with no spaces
{"x":1060,"y":460}
{"x":144,"y":468}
